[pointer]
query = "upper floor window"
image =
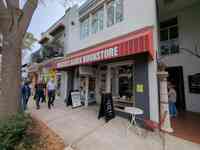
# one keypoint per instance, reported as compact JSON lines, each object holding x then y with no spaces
{"x":169,"y":37}
{"x":98,"y":21}
{"x":114,"y":12}
{"x":84,"y":28}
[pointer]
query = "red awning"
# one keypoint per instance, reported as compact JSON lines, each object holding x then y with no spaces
{"x":140,"y":41}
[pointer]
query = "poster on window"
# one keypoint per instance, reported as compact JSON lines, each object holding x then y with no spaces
{"x":76,"y":99}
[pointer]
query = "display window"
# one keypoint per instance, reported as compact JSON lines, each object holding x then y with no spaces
{"x":123,"y":85}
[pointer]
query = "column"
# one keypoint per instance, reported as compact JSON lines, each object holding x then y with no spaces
{"x":105,"y":16}
{"x":164,"y":105}
{"x":108,"y":80}
{"x":86,"y":90}
{"x":117,"y":81}
{"x":97,"y":86}
{"x":63,"y":87}
{"x":90,"y":24}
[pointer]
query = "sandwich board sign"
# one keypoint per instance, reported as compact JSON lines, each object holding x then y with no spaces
{"x":76,"y":99}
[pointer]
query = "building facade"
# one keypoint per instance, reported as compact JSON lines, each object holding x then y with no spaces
{"x":114,"y":46}
{"x":43,"y":66}
{"x":180,"y":49}
{"x":110,"y":48}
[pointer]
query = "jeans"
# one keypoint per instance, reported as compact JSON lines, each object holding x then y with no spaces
{"x":24,"y":102}
{"x":172,"y":109}
{"x":51,"y":98}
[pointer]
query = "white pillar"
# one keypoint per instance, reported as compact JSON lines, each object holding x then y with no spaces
{"x":63,"y":87}
{"x":164,"y":103}
{"x":108,"y":80}
{"x":105,"y":16}
{"x":86,"y":90}
{"x":90,"y":24}
{"x":97,"y":86}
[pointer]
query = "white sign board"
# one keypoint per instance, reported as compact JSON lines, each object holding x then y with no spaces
{"x":85,"y":70}
{"x":76,"y":99}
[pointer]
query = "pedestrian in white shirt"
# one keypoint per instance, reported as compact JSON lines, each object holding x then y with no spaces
{"x":51,"y":87}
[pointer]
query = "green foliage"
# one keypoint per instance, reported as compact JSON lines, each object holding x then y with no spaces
{"x":13,"y":132}
{"x":28,"y":41}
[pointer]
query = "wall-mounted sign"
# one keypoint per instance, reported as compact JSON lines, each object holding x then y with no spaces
{"x":140,"y":88}
{"x":88,"y":58}
{"x":194,"y":83}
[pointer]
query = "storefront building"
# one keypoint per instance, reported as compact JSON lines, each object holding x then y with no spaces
{"x":43,"y":72}
{"x":107,"y":50}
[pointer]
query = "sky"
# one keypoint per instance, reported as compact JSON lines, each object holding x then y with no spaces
{"x":47,"y":13}
{"x":44,"y":17}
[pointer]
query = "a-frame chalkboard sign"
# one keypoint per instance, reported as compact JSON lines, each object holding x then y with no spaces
{"x":106,"y":109}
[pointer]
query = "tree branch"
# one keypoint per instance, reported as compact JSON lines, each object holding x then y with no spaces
{"x":2,"y":5}
{"x":12,"y":3}
{"x":28,"y":11}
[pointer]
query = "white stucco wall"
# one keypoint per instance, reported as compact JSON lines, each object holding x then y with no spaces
{"x":189,"y":36}
{"x":137,"y":15}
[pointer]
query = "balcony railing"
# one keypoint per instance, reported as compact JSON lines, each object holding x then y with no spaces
{"x":169,"y":47}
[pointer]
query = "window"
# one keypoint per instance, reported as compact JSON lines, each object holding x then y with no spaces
{"x":114,"y":12}
{"x":169,"y":37}
{"x":98,"y":21}
{"x":122,"y":85}
{"x":85,"y":28}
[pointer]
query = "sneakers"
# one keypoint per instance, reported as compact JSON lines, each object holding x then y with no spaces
{"x":38,"y":107}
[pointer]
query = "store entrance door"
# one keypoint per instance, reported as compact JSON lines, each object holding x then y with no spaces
{"x":87,"y":88}
{"x":176,"y":78}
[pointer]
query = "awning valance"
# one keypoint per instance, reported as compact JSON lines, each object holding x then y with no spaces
{"x":140,"y":41}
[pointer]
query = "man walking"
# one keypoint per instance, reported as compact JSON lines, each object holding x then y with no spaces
{"x":26,"y":93}
{"x":39,"y":93}
{"x":51,"y":87}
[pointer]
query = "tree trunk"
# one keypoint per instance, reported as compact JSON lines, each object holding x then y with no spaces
{"x":11,"y":76}
{"x":14,"y":23}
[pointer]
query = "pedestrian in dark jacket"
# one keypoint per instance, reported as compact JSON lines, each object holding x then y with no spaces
{"x":26,"y":93}
{"x":39,"y":93}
